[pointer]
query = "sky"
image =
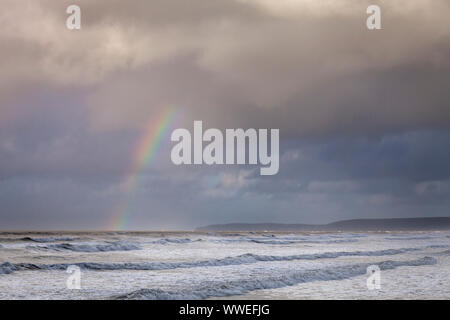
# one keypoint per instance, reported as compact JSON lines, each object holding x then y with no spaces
{"x":364,"y":115}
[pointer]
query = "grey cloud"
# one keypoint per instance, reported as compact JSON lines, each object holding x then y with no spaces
{"x":257,"y":61}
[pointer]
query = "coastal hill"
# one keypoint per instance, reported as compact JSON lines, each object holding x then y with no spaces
{"x":396,"y":224}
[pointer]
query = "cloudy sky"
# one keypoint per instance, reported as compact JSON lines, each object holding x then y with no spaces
{"x":364,"y":116}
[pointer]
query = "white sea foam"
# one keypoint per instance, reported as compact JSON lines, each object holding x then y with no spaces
{"x":174,"y":240}
{"x":47,"y":239}
{"x":409,"y":238}
{"x":300,"y":241}
{"x":266,"y":239}
{"x":225,"y":264}
{"x":107,"y":246}
{"x":231,"y":288}
{"x":227,"y":261}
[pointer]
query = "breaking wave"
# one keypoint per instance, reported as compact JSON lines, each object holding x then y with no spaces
{"x":49,"y":239}
{"x":39,"y":240}
{"x":174,"y":240}
{"x":108,"y":246}
{"x":410,"y":238}
{"x":227,"y":261}
{"x":301,"y":241}
{"x":7,"y":268}
{"x":238,"y":287}
{"x":437,"y":246}
{"x":445,"y":252}
{"x":287,"y":240}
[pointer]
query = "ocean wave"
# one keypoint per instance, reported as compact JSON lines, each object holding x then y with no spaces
{"x":174,"y":240}
{"x":293,"y":239}
{"x":437,"y":246}
{"x":283,"y":241}
{"x":410,"y":238}
{"x":239,"y":287}
{"x":248,"y":258}
{"x":348,"y":235}
{"x":301,"y":241}
{"x":108,"y":246}
{"x":444,"y":253}
{"x":287,"y":239}
{"x":49,"y":239}
{"x":7,"y":268}
{"x":39,"y":240}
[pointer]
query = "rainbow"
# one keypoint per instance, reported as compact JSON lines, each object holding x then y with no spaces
{"x":144,"y":153}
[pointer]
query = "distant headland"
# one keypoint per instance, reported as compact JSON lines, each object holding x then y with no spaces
{"x":395,"y":224}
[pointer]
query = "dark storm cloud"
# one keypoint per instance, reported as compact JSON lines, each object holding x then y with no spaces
{"x":304,"y":66}
{"x":53,"y":140}
{"x":363,"y":115}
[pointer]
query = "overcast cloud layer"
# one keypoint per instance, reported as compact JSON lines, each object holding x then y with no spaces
{"x":364,"y":116}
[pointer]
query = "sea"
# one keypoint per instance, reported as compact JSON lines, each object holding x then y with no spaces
{"x":221,"y":265}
